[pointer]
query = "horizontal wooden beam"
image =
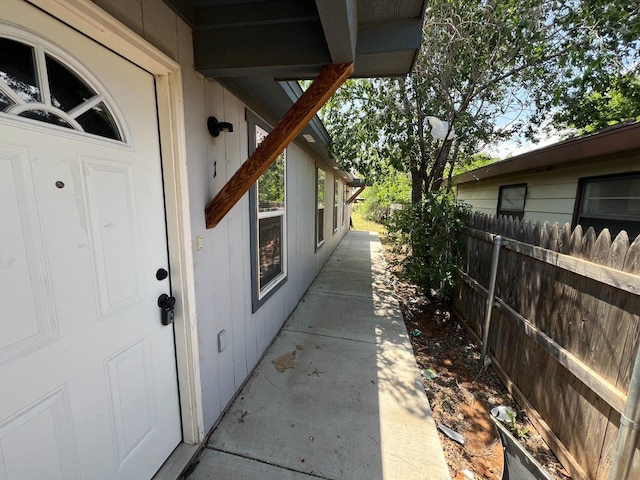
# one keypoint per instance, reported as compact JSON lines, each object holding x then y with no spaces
{"x":566,"y":459}
{"x":627,"y":282}
{"x":598,"y":385}
{"x":355,"y":195}
{"x":340,"y":24}
{"x":563,"y":454}
{"x":287,"y":129}
{"x":615,"y":398}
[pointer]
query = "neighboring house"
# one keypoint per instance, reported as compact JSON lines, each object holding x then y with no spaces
{"x":107,"y":175}
{"x":591,"y":180}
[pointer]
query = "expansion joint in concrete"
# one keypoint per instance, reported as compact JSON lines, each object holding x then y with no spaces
{"x":246,"y":457}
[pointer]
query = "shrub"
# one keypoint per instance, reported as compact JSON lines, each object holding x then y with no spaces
{"x":428,"y":237}
{"x":394,"y":188}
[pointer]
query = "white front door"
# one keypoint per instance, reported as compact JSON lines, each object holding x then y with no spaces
{"x":88,"y":385}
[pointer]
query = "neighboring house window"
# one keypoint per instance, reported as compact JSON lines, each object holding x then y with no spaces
{"x":611,"y":202}
{"x":511,"y":200}
{"x":36,"y":85}
{"x":269,"y":223}
{"x":336,"y":195}
{"x":319,"y":207}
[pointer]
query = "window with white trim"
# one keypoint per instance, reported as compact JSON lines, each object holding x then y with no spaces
{"x":269,"y":224}
{"x":320,"y":184}
{"x":36,"y":85}
{"x":336,"y":197}
{"x":344,"y":203}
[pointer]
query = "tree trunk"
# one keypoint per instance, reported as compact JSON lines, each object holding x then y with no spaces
{"x":437,"y":171}
{"x":416,"y":186}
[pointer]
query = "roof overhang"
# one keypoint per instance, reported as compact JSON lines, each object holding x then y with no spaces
{"x":294,"y":39}
{"x":257,"y":48}
{"x":359,"y":182}
{"x":271,"y":100}
{"x":618,"y":140}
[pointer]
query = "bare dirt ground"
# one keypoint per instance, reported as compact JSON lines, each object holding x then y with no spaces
{"x":461,"y":393}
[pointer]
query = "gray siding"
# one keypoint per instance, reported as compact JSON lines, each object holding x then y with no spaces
{"x":222,"y":265}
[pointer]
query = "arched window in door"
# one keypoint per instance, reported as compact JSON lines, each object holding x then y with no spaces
{"x":36,"y":84}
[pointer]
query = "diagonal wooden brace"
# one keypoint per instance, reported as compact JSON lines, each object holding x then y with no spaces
{"x":355,"y":195}
{"x":287,"y":129}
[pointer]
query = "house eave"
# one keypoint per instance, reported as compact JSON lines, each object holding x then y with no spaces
{"x":616,"y":140}
{"x":295,"y":39}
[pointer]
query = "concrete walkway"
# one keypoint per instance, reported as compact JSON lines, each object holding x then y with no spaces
{"x":353,"y":407}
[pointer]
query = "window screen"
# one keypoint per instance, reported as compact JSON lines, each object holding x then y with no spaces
{"x":610,"y":202}
{"x":268,"y":230}
{"x":511,"y":200}
{"x":320,"y":177}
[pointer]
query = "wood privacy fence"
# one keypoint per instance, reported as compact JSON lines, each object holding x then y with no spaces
{"x":564,"y":329}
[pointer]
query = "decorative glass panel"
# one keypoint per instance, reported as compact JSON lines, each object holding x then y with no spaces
{"x":18,"y":69}
{"x":4,"y":101}
{"x":269,"y":249}
{"x":67,"y":89}
{"x":46,"y":117}
{"x":98,"y":120}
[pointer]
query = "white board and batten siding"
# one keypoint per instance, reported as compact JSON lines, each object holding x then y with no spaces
{"x":224,"y":262}
{"x":551,"y":195}
{"x":222,"y":255}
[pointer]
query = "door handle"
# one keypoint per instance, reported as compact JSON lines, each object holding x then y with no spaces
{"x":166,"y":304}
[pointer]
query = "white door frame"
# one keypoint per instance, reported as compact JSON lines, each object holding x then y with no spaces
{"x":94,"y":22}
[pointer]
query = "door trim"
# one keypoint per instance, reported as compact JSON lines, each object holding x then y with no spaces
{"x":91,"y":20}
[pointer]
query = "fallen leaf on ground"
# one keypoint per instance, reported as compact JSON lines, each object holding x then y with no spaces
{"x":288,"y":360}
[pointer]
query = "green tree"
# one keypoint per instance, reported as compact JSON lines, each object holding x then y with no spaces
{"x":394,"y":188}
{"x":475,"y":161}
{"x":481,"y":61}
{"x":614,"y":102}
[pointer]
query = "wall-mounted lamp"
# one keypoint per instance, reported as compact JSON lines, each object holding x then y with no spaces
{"x":215,"y":127}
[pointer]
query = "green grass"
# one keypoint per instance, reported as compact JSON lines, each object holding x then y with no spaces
{"x":360,"y":223}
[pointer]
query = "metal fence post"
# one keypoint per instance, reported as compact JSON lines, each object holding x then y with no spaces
{"x":629,"y":428}
{"x":497,"y":242}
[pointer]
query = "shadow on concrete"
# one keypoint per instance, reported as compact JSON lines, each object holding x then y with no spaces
{"x":353,"y":407}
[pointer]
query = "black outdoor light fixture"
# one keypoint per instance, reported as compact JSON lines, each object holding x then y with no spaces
{"x":215,"y":127}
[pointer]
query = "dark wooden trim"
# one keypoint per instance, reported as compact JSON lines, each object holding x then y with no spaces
{"x":287,"y":129}
{"x":355,"y":195}
{"x":576,"y":203}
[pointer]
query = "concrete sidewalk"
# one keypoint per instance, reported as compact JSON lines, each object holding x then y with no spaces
{"x":353,"y":407}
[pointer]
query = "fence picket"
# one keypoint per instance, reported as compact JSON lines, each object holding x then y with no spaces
{"x":591,"y":313}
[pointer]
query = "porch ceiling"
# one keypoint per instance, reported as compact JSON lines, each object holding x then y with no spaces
{"x":294,"y":39}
